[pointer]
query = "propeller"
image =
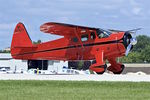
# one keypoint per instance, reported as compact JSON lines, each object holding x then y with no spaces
{"x":134,"y":30}
{"x":133,"y":41}
{"x":131,"y":31}
{"x":129,"y":38}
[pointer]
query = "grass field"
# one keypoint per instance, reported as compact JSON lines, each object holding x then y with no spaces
{"x":73,"y":90}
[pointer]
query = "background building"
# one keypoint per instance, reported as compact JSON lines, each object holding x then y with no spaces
{"x":7,"y":62}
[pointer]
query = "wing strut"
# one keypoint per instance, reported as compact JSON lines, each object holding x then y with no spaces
{"x":76,"y":32}
{"x":82,"y":47}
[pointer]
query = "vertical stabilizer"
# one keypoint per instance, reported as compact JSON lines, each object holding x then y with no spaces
{"x":20,"y":39}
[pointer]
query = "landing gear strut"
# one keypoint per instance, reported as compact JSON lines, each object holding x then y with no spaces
{"x":98,"y":69}
{"x":115,"y":67}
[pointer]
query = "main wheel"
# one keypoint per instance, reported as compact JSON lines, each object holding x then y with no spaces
{"x":122,"y":68}
{"x":104,"y":66}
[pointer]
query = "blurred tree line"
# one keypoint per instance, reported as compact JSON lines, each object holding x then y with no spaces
{"x":140,"y":52}
{"x":8,"y":51}
{"x":4,"y":51}
{"x":37,"y":42}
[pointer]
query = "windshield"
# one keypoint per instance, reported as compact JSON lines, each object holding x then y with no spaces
{"x":102,"y":33}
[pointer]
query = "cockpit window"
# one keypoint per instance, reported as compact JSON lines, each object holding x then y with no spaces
{"x":102,"y":33}
{"x":84,"y":37}
{"x":93,"y":35}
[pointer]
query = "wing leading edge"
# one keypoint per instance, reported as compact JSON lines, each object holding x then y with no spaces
{"x":62,"y":29}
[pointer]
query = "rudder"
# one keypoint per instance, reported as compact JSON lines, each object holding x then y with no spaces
{"x":20,"y":38}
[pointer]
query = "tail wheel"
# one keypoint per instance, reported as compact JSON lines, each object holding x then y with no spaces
{"x":122,"y":68}
{"x":104,"y":66}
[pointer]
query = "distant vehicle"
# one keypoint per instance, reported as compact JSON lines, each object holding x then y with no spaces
{"x":21,"y":71}
{"x":36,"y":71}
{"x":73,"y":71}
{"x":3,"y":69}
{"x":78,"y":43}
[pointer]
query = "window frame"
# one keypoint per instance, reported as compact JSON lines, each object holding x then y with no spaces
{"x":84,"y":36}
{"x":99,"y":32}
{"x":92,"y":34}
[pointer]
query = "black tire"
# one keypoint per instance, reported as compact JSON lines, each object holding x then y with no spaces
{"x":105,"y":67}
{"x":122,"y":68}
{"x":127,"y":36}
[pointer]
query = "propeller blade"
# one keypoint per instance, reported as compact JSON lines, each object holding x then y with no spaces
{"x":134,"y":30}
{"x":131,"y":31}
{"x":128,"y":49}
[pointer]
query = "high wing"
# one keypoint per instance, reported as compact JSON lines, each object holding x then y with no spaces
{"x":63,"y":29}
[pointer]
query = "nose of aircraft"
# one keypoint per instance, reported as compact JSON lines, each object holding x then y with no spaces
{"x":130,"y":41}
{"x":133,"y":41}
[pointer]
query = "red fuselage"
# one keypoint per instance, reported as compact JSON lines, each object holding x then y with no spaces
{"x":64,"y":49}
{"x":78,"y":43}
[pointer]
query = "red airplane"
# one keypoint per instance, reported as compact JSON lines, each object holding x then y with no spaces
{"x":78,"y":43}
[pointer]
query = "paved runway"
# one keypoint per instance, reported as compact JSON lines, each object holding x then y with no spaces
{"x":105,"y":77}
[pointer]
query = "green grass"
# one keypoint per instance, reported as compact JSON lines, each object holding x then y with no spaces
{"x":73,"y":90}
